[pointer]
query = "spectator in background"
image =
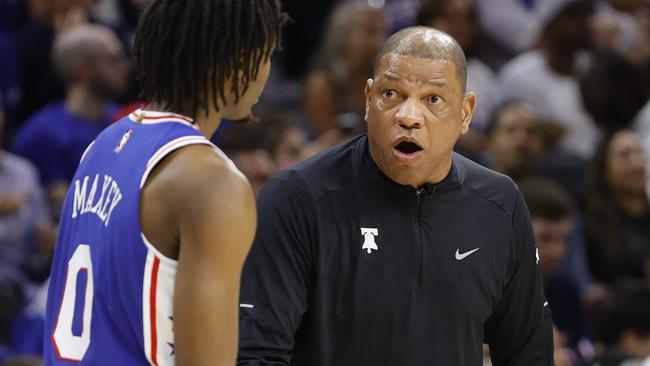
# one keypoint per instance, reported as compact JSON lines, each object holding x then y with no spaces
{"x":514,"y":141}
{"x":546,"y":77}
{"x":38,"y":81}
{"x":521,"y":145}
{"x":353,"y":36}
{"x":244,"y":145}
{"x":552,"y":213}
{"x":623,"y":26}
{"x":90,"y":60}
{"x":614,"y":90}
{"x":617,"y":214}
{"x":282,"y":138}
{"x":25,"y":232}
{"x":623,"y":326}
{"x":459,"y":19}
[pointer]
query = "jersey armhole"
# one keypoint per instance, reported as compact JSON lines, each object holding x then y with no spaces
{"x":165,"y":150}
{"x":86,"y":151}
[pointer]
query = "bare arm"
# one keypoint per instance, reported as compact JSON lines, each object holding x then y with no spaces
{"x":213,"y":210}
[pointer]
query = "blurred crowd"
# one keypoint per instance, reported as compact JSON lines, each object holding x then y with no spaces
{"x":563,"y":108}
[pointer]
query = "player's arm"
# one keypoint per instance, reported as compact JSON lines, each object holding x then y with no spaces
{"x":214,"y":211}
{"x":519,"y":331}
{"x":276,"y":280}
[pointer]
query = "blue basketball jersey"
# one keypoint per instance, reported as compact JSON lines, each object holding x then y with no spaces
{"x":111,"y":292}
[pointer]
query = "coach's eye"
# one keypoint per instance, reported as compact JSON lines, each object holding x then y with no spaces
{"x":434,"y":99}
{"x":389,"y":93}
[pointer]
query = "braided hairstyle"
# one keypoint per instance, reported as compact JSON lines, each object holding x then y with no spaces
{"x":187,"y":50}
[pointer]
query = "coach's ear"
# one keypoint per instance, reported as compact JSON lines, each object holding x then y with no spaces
{"x":367,"y":92}
{"x":469,"y":104}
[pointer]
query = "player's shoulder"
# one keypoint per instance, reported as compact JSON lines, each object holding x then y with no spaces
{"x":202,"y":172}
{"x":199,"y":164}
{"x":495,"y":187}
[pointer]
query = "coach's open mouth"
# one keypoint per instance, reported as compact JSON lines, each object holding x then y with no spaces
{"x":407,"y":147}
{"x":406,"y":150}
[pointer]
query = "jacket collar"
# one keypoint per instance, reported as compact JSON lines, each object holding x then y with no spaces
{"x":369,"y":168}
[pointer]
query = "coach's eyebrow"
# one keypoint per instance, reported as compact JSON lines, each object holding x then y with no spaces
{"x":391,"y":77}
{"x":436,"y":82}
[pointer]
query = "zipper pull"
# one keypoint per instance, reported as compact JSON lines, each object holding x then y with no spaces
{"x":418,"y":193}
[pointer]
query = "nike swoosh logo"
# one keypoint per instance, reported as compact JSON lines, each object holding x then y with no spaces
{"x":462,"y":256}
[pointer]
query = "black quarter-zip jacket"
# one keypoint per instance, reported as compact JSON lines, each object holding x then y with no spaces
{"x":349,"y":268}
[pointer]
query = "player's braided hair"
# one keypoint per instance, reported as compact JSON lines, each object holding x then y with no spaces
{"x":186,"y":50}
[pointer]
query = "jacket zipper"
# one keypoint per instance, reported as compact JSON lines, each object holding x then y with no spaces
{"x":418,"y":194}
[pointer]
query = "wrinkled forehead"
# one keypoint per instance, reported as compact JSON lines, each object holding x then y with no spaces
{"x":417,"y":71}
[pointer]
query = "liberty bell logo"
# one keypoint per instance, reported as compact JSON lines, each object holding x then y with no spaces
{"x":369,"y":239}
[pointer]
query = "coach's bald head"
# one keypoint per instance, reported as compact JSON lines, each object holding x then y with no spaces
{"x":425,"y":42}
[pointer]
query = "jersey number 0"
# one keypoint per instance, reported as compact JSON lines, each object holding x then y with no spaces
{"x":71,"y":337}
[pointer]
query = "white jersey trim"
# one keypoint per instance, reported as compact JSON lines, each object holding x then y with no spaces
{"x":153,"y":161}
{"x":154,"y":117}
{"x":167,"y":149}
{"x":157,"y":253}
{"x":86,"y":151}
{"x":158,"y":310}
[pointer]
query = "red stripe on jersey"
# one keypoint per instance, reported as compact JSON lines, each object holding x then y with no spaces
{"x":152,"y":310}
{"x":141,"y":116}
{"x":168,"y":116}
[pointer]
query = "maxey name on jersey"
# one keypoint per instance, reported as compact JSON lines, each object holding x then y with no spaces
{"x":102,"y":206}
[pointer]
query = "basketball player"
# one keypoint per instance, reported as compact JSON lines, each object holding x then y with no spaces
{"x":157,"y":221}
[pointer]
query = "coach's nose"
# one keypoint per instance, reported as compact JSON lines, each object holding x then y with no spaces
{"x":409,"y":115}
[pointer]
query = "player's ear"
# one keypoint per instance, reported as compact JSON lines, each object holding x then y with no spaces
{"x":367,"y":92}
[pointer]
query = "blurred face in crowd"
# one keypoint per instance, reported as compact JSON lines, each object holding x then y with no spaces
{"x":515,"y":143}
{"x":459,"y":20}
{"x":628,"y":5}
{"x":570,"y":31}
{"x":290,"y":150}
{"x":108,"y":69}
{"x":415,"y":109}
{"x":48,"y":9}
{"x":626,"y":163}
{"x":638,"y":345}
{"x":256,"y":165}
{"x":551,"y":240}
{"x":366,"y":37}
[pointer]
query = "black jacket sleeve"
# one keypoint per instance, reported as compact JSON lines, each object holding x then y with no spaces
{"x":276,"y":278}
{"x":519,"y":330}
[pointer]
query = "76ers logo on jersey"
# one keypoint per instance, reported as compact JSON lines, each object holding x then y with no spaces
{"x":125,"y":138}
